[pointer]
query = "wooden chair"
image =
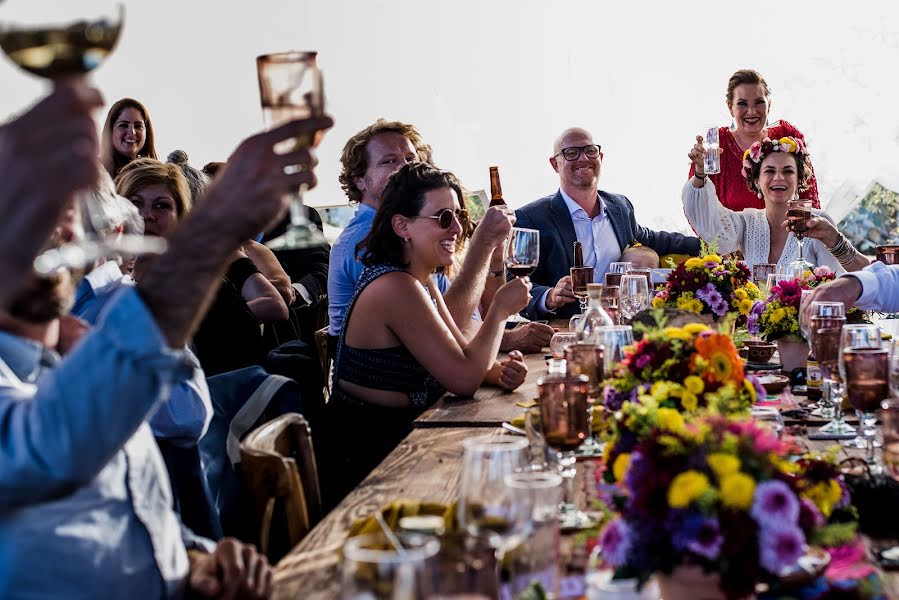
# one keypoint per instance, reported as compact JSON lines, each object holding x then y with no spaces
{"x":278,"y":464}
{"x":324,"y":343}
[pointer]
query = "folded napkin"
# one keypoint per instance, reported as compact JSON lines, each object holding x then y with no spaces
{"x":527,"y":404}
{"x":396,"y":510}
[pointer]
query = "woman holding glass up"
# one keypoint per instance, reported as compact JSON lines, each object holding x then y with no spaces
{"x":778,"y":171}
{"x":748,"y":100}
{"x":400,"y":349}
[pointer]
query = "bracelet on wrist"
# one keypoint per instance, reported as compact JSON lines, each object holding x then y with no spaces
{"x":699,"y":176}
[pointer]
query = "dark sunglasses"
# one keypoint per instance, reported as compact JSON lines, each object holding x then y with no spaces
{"x":573,"y":152}
{"x":445,"y":217}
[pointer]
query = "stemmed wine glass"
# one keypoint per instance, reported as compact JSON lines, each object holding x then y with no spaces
{"x":798,"y":212}
{"x":616,"y":272}
{"x":379,"y":566}
{"x":522,"y":257}
{"x":566,"y":425}
{"x":825,"y":328}
{"x":634,"y":296}
{"x":864,"y":365}
{"x":760,"y":272}
{"x":66,"y":41}
{"x":290,"y":87}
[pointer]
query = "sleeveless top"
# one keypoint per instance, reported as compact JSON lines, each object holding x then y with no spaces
{"x":391,"y":369}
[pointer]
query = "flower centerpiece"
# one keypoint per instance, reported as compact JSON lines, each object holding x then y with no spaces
{"x":716,"y":502}
{"x":778,"y":316}
{"x":710,"y":285}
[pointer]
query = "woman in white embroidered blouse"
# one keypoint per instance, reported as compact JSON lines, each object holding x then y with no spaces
{"x":777,"y":171}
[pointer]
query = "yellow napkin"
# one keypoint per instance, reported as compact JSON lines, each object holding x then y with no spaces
{"x":527,"y":404}
{"x":396,"y":510}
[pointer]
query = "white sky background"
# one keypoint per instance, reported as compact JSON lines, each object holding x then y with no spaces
{"x":494,"y":82}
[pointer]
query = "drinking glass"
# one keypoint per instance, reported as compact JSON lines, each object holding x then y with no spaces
{"x":642,"y":271}
{"x":634,"y":296}
{"x":825,"y":326}
{"x":290,"y":87}
{"x":563,"y":414}
{"x":798,"y":212}
{"x":522,"y":257}
{"x":560,"y":341}
{"x":804,"y":297}
{"x":616,"y":272}
{"x":774,"y":279}
{"x":373,"y":568}
{"x":588,"y":360}
{"x":538,"y":494}
{"x":712,"y":158}
{"x":580,"y":277}
{"x":609,"y":301}
{"x":760,"y":274}
{"x":66,"y":41}
{"x":889,"y":420}
{"x":894,"y":369}
{"x":864,"y":365}
{"x":484,"y":506}
{"x":615,"y":340}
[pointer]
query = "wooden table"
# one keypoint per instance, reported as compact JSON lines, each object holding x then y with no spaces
{"x":489,"y":407}
{"x":425,"y":466}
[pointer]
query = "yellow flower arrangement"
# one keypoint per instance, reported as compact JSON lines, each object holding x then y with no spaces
{"x":723,"y":464}
{"x":737,"y":490}
{"x":619,"y":469}
{"x":687,"y":487}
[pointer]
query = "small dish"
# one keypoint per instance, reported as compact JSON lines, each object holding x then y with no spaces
{"x":759,"y":352}
{"x":773,"y":384}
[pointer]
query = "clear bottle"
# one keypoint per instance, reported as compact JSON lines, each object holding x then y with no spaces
{"x":588,"y":327}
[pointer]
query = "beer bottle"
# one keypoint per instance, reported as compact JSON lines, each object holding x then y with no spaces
{"x":578,"y":254}
{"x":496,"y":189}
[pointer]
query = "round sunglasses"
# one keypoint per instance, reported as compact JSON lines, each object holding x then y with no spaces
{"x":445,"y":217}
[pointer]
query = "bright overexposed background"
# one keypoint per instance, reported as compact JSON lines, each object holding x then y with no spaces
{"x":494,"y":82}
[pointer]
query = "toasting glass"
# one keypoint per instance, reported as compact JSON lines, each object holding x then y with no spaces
{"x":798,"y":212}
{"x":67,"y":41}
{"x":580,"y":277}
{"x":290,"y":87}
{"x":563,"y":414}
{"x":864,"y":365}
{"x":522,"y":257}
{"x":825,"y":328}
{"x":634,"y":296}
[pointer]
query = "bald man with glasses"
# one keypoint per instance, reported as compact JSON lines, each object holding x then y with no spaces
{"x":603,"y":222}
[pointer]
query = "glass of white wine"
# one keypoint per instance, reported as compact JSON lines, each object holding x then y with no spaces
{"x":290,"y":87}
{"x":65,"y":41}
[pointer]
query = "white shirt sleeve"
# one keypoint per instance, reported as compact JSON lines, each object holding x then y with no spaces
{"x":711,"y":220}
{"x":880,"y":287}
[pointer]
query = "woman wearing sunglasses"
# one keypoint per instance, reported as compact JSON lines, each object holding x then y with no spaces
{"x":400,"y":349}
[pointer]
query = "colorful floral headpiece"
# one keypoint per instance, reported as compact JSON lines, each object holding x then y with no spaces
{"x":759,"y":150}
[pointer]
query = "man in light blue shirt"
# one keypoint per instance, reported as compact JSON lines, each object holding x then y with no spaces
{"x":876,"y":287}
{"x":82,"y":485}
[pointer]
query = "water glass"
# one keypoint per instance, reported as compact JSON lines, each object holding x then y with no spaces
{"x":560,"y":341}
{"x":864,"y":366}
{"x":609,"y":301}
{"x":774,"y":279}
{"x":634,"y":296}
{"x":536,"y":559}
{"x":760,"y":274}
{"x":712,"y":159}
{"x":484,"y":506}
{"x":615,"y":340}
{"x":616,"y":272}
{"x":374,"y":569}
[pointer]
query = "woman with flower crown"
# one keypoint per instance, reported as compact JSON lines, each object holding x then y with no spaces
{"x":748,"y":100}
{"x":777,"y":170}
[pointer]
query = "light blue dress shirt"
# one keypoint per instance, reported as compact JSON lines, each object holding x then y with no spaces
{"x":597,"y":239}
{"x":184,"y":419}
{"x":344,"y":268}
{"x":85,"y":501}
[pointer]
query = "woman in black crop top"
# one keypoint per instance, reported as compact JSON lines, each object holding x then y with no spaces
{"x":400,"y":348}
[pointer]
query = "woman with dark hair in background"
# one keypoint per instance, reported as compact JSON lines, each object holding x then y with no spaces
{"x":127,"y":134}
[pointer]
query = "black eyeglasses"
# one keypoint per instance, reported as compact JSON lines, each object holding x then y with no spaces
{"x":445,"y":217}
{"x":573,"y":152}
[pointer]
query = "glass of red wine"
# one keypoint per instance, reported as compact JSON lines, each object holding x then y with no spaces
{"x":522,"y":257}
{"x":865,"y":365}
{"x":798,"y":212}
{"x":65,"y":41}
{"x":825,"y":328}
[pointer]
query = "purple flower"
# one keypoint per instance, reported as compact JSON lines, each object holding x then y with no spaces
{"x":809,"y":515}
{"x":780,"y":547}
{"x":642,"y":361}
{"x":774,"y":505}
{"x":708,"y":540}
{"x":615,"y":541}
{"x":760,"y":392}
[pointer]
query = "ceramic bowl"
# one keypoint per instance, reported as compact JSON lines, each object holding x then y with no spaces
{"x":758,"y":351}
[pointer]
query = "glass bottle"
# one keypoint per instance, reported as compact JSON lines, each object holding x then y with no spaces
{"x":496,"y":189}
{"x":588,"y":327}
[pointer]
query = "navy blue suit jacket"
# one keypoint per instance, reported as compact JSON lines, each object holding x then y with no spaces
{"x":550,"y":216}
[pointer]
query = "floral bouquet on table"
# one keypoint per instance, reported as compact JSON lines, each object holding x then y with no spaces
{"x":778,"y":316}
{"x":712,"y":286}
{"x":717,"y":503}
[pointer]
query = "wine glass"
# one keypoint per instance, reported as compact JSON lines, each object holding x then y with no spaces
{"x":634,"y":296}
{"x":522,"y":257}
{"x":615,"y":340}
{"x":825,"y":327}
{"x":290,"y":87}
{"x":560,"y":341}
{"x":775,"y":278}
{"x":66,"y":41}
{"x":760,"y":274}
{"x":580,"y":277}
{"x":379,"y":566}
{"x":616,"y":272}
{"x":798,"y":212}
{"x":804,"y":297}
{"x":563,"y":414}
{"x":609,"y":301}
{"x":864,"y":366}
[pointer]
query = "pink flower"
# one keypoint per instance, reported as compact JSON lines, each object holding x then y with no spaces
{"x":755,"y":152}
{"x":823,"y":271}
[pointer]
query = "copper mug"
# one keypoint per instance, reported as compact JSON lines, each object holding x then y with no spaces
{"x":887,"y":254}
